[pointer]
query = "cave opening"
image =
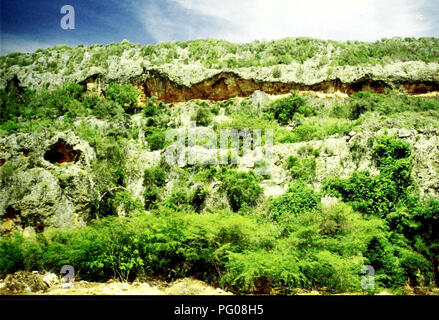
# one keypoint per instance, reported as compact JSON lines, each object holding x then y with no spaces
{"x":10,"y":213}
{"x":61,"y":152}
{"x":9,"y":220}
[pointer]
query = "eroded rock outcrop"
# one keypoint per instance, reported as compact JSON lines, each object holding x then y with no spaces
{"x":37,"y":192}
{"x":225,"y":85}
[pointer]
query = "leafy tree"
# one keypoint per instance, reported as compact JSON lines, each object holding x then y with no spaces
{"x":124,"y":94}
{"x":284,"y":109}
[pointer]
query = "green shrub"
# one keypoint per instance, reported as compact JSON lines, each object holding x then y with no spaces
{"x":107,"y":109}
{"x":297,"y":198}
{"x":156,"y":139}
{"x":242,"y":188}
{"x":153,"y":180}
{"x":277,"y":72}
{"x":12,"y":257}
{"x":301,"y":169}
{"x":203,"y":115}
{"x":363,"y":101}
{"x":369,"y":101}
{"x":261,"y":272}
{"x":284,"y":109}
{"x":74,"y":90}
{"x":380,"y":194}
{"x":198,"y":197}
{"x":124,"y":94}
{"x":125,"y":198}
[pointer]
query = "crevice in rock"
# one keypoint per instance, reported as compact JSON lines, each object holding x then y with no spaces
{"x":92,"y":83}
{"x":227,"y":85}
{"x":39,"y":227}
{"x":25,"y":152}
{"x":61,"y":152}
{"x":10,"y":213}
{"x":9,"y":220}
{"x":420,"y":87}
{"x":14,"y":85}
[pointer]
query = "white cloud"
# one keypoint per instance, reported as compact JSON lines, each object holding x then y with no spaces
{"x":167,"y":20}
{"x":247,"y":20}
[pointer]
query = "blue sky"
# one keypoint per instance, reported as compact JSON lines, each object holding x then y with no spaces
{"x":27,"y":25}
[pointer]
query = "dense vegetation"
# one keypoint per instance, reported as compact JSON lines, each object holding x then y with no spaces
{"x":259,"y":245}
{"x":219,"y":54}
{"x":294,"y":242}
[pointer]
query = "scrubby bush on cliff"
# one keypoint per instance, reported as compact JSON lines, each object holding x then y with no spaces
{"x":284,"y":109}
{"x":11,"y":254}
{"x":395,"y":102}
{"x":318,"y":249}
{"x":124,"y":94}
{"x":323,"y":248}
{"x":301,"y":169}
{"x":242,"y":188}
{"x":409,"y":253}
{"x":105,"y":109}
{"x":168,"y":245}
{"x":202,"y":115}
{"x":277,"y":72}
{"x":153,"y":180}
{"x":156,"y":138}
{"x":380,"y":194}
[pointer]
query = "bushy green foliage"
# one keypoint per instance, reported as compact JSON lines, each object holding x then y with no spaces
{"x":29,"y":110}
{"x":126,"y":200}
{"x":298,"y":198}
{"x":406,"y":253}
{"x":153,"y":107}
{"x":369,"y":101}
{"x":301,"y":169}
{"x":319,"y":250}
{"x":284,"y":109}
{"x":378,"y":195}
{"x":203,"y":115}
{"x":242,"y":188}
{"x":124,"y":94}
{"x":153,"y":180}
{"x":156,"y":138}
{"x":12,"y":256}
{"x":277,"y":72}
{"x":323,"y":248}
{"x":198,"y":197}
{"x":105,"y":109}
{"x":170,"y":245}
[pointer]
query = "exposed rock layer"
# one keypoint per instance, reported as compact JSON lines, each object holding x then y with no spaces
{"x":227,"y":85}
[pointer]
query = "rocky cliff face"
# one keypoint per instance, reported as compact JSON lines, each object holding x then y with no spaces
{"x":181,"y":71}
{"x":50,"y":179}
{"x":170,"y":84}
{"x":45,"y":181}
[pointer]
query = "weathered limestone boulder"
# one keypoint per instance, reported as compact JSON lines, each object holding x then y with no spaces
{"x":44,"y":181}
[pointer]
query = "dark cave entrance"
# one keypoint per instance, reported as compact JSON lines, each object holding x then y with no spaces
{"x":61,"y":152}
